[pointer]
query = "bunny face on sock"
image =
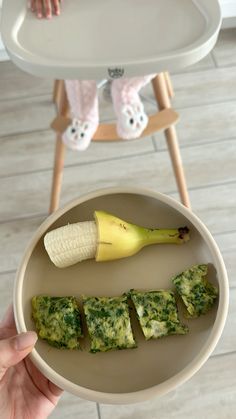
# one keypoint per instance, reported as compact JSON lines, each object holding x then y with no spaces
{"x":132,"y":120}
{"x":78,"y":135}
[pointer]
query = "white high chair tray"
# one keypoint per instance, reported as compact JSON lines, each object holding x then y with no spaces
{"x":97,"y":39}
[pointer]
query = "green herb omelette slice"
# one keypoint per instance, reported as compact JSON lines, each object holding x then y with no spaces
{"x":197,"y":294}
{"x":108,"y":323}
{"x":57,"y":320}
{"x":157,"y":313}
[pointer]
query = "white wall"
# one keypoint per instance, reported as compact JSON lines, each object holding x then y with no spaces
{"x":228,"y":8}
{"x":229,"y":13}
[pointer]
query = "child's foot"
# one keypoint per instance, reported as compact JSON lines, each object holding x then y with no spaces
{"x":131,"y":121}
{"x":83,"y":100}
{"x":45,"y":8}
{"x":79,"y":134}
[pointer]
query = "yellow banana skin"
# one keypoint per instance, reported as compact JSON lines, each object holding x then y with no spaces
{"x":119,"y":239}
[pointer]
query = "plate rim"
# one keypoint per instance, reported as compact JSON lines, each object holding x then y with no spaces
{"x":179,"y":378}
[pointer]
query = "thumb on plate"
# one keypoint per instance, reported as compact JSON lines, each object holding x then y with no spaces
{"x":13,"y":350}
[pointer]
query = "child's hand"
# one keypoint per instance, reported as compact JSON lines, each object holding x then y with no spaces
{"x":45,"y":8}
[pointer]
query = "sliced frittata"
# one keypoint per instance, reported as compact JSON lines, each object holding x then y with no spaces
{"x":197,"y":293}
{"x":157,"y":313}
{"x":108,"y":323}
{"x":57,"y":320}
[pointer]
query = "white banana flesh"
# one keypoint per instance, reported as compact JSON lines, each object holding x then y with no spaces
{"x":72,"y":243}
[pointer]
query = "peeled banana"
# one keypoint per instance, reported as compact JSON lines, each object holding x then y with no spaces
{"x":106,"y":238}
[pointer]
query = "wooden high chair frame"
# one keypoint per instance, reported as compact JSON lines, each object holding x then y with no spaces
{"x":165,"y":120}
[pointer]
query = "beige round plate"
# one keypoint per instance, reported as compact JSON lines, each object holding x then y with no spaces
{"x":156,"y":366}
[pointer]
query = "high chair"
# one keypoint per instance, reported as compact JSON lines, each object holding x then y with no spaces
{"x":108,"y":39}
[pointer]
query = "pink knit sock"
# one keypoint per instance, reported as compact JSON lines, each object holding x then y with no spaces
{"x":131,"y":118}
{"x":83,"y":100}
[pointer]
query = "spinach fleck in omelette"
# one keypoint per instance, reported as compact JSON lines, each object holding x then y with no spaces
{"x":196,"y":292}
{"x":57,"y":320}
{"x":157,"y":313}
{"x":108,"y":323}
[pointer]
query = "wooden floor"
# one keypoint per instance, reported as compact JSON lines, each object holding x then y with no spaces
{"x":206,"y":101}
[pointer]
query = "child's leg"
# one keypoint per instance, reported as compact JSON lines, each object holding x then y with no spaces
{"x":83,"y":100}
{"x":131,"y":118}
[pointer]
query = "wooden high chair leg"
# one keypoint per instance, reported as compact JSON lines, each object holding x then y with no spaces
{"x":169,"y":85}
{"x":56,"y":91}
{"x":162,"y":91}
{"x":60,"y":99}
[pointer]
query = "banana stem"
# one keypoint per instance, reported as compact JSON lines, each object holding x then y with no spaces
{"x":173,"y":236}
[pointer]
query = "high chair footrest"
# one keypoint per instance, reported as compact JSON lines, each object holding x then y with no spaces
{"x":107,"y":132}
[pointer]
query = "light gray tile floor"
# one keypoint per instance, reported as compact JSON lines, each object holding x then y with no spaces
{"x":206,"y":101}
{"x":225,"y":50}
